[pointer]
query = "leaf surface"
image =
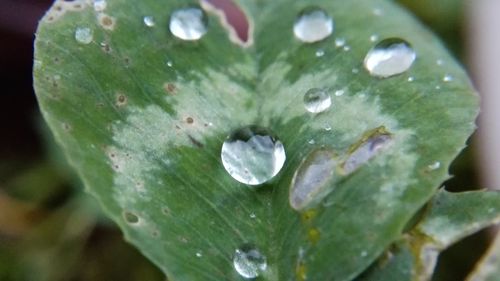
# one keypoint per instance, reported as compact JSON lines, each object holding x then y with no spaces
{"x":142,"y":116}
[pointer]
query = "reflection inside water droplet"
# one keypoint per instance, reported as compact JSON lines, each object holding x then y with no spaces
{"x":84,"y":35}
{"x":312,"y":25}
{"x":389,"y":57}
{"x":309,"y":183}
{"x":317,"y":100}
{"x":249,"y":262}
{"x":367,"y":148}
{"x":253,"y":155}
{"x":188,"y":23}
{"x":320,"y":53}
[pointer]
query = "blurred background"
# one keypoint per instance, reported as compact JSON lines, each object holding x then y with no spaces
{"x":51,"y":230}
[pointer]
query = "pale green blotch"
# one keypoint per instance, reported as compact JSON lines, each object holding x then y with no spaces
{"x":142,"y":141}
{"x":350,"y":116}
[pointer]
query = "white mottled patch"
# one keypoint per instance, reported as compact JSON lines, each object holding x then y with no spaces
{"x":207,"y":107}
{"x":349,"y":117}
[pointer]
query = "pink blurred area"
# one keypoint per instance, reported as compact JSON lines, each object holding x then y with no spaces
{"x":235,"y":17}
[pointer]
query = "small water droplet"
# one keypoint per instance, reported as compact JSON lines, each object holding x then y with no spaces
{"x":366,"y":148}
{"x":249,"y":262}
{"x":320,"y":53}
{"x":199,"y":254}
{"x":339,"y":93}
{"x":149,"y":21}
{"x":253,"y":216}
{"x":411,"y":79}
{"x":438,"y":87}
{"x":328,"y":128}
{"x":347,"y":48}
{"x":339,"y":42}
{"x":374,"y":37}
{"x":309,"y":183}
{"x":355,"y":70}
{"x":364,"y":253}
{"x":253,"y":155}
{"x":448,"y":78}
{"x":434,"y":166}
{"x":84,"y":35}
{"x":389,"y":57}
{"x":189,"y":23}
{"x":170,"y":63}
{"x":312,"y":25}
{"x":100,"y":5}
{"x":317,"y":100}
{"x":439,"y":62}
{"x":311,"y":141}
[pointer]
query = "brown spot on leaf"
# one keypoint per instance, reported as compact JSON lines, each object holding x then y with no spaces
{"x":121,"y":100}
{"x":169,"y":88}
{"x":189,"y":120}
{"x":106,"y":21}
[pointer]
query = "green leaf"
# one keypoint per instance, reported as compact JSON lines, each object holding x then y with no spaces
{"x":449,"y":217}
{"x":453,"y":216}
{"x":142,"y":116}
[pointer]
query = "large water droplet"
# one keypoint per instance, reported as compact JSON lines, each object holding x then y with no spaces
{"x":389,"y":57}
{"x":312,"y":25}
{"x":317,"y":100}
{"x":253,"y":155}
{"x":249,"y":262}
{"x":366,"y":148}
{"x":311,"y":178}
{"x":84,"y":35}
{"x":188,"y":23}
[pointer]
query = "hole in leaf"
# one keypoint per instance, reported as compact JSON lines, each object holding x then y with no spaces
{"x":130,"y":217}
{"x":234,"y":17}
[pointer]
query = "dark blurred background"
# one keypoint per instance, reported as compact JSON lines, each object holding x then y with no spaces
{"x":51,"y":230}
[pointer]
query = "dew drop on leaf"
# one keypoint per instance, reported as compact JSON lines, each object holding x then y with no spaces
{"x":320,"y":53}
{"x":188,"y":23}
{"x":312,"y":25}
{"x":83,"y":35}
{"x":447,"y":78}
{"x":317,"y":100}
{"x":149,"y":21}
{"x":434,"y":166}
{"x":339,"y":93}
{"x":311,"y":177}
{"x":249,"y":262}
{"x":389,"y":57}
{"x":339,"y":42}
{"x":374,"y":37}
{"x":253,"y":155}
{"x":367,"y":148}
